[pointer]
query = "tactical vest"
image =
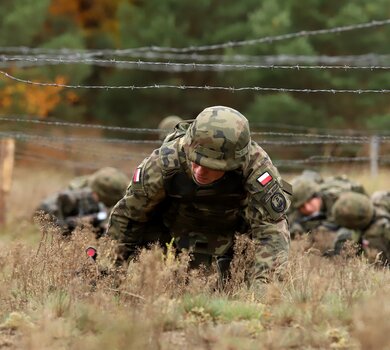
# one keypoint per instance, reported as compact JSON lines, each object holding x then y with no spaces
{"x":202,"y":219}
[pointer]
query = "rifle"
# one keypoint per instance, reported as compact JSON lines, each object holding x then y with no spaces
{"x":313,"y":217}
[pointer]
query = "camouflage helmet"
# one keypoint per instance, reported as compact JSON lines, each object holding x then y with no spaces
{"x":353,"y":210}
{"x":167,"y":125}
{"x":109,"y":184}
{"x":219,"y":139}
{"x":381,"y":199}
{"x":303,"y":190}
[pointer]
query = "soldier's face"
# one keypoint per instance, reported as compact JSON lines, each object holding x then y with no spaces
{"x":205,"y":176}
{"x":311,"y":207}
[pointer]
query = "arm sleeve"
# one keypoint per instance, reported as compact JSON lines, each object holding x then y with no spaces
{"x":268,"y":202}
{"x":132,"y":213}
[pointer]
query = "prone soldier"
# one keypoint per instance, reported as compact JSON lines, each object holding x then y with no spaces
{"x":366,"y":222}
{"x":88,"y":202}
{"x":312,"y":208}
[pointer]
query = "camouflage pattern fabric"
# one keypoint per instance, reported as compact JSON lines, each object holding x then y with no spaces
{"x":167,"y":125}
{"x":377,"y":238}
{"x":370,"y":225}
{"x":353,"y":210}
{"x":219,"y":139}
{"x":381,"y":199}
{"x":68,"y":208}
{"x":258,"y":213}
{"x":329,"y":191}
{"x":110,"y":185}
{"x":374,"y":240}
{"x":79,"y":182}
{"x":307,"y":174}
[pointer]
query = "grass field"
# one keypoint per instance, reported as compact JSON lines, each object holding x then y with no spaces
{"x":52,"y":298}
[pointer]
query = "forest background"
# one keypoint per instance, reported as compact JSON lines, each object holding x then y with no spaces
{"x":108,"y":25}
{"x":52,"y":296}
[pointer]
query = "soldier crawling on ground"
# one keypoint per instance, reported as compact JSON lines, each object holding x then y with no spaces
{"x":366,"y":222}
{"x":207,"y":183}
{"x":311,"y":210}
{"x":87,"y":200}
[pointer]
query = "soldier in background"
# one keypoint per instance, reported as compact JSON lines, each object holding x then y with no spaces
{"x":366,"y":223}
{"x":87,"y":200}
{"x":381,"y":199}
{"x":312,"y":208}
{"x":205,"y":184}
{"x":310,"y":175}
{"x":167,"y":125}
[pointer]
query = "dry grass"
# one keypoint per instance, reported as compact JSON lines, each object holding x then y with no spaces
{"x":53,"y":298}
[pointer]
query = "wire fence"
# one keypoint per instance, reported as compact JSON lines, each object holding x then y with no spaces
{"x":77,"y":150}
{"x":146,"y":137}
{"x":229,"y":44}
{"x":194,"y":87}
{"x":177,"y":67}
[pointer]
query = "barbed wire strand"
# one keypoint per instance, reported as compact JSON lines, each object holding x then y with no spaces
{"x":157,"y":131}
{"x":364,"y":59}
{"x":80,"y":125}
{"x":179,"y":67}
{"x":278,"y":162}
{"x":191,"y":87}
{"x":232,"y":44}
{"x":329,"y":132}
{"x":83,"y":140}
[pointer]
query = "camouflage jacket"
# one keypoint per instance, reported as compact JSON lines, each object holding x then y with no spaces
{"x":329,"y":190}
{"x":68,"y":207}
{"x":374,"y":240}
{"x":376,"y":237}
{"x":261,"y":200}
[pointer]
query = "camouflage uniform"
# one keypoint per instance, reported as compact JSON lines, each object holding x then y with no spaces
{"x":87,"y":199}
{"x":328,"y":190}
{"x":67,"y":208}
{"x":251,"y":198}
{"x":167,"y":125}
{"x":308,"y":174}
{"x":368,"y":223}
{"x":321,"y":225}
{"x":381,"y":199}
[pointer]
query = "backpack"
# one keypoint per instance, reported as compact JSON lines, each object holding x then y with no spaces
{"x":179,"y":130}
{"x":334,"y":186}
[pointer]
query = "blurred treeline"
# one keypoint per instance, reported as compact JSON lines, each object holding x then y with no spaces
{"x":123,"y":24}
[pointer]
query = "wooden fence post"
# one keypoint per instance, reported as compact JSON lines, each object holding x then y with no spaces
{"x":7,"y":152}
{"x":374,"y":156}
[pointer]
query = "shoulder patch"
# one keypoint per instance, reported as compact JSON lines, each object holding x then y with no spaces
{"x":137,"y":174}
{"x":137,"y":179}
{"x":278,"y":202}
{"x":270,"y":192}
{"x":264,"y":178}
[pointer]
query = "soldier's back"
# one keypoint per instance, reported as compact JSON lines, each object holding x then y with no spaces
{"x":334,"y":186}
{"x":377,"y":237}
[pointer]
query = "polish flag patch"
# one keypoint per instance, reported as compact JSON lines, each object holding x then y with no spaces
{"x":137,"y":175}
{"x":264,"y":178}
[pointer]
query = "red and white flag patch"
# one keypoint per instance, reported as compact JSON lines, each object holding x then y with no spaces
{"x":264,"y":178}
{"x":137,"y":175}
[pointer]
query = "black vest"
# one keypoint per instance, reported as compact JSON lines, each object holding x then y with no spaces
{"x":211,"y":209}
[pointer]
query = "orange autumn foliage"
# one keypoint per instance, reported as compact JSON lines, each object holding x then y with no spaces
{"x":90,"y":15}
{"x":35,"y":100}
